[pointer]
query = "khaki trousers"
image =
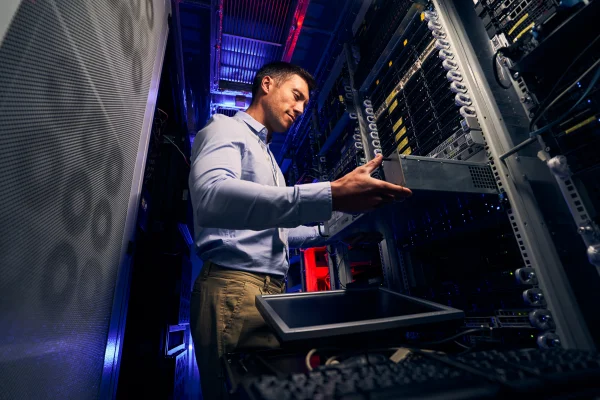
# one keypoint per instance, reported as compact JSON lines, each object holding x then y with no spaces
{"x":224,"y":318}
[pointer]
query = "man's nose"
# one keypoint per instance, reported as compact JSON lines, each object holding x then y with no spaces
{"x":299,"y":109}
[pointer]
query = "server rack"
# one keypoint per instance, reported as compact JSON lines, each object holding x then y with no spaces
{"x":485,"y":125}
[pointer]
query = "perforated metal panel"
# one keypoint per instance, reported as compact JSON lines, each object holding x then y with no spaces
{"x":75,"y":79}
{"x":482,"y":177}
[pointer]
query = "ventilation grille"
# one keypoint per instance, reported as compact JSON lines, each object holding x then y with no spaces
{"x":264,"y":20}
{"x":74,"y":83}
{"x":482,"y":177}
{"x":253,"y":35}
{"x":242,"y":57}
{"x":230,"y":112}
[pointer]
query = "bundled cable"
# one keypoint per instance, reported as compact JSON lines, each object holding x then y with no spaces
{"x":495,"y":66}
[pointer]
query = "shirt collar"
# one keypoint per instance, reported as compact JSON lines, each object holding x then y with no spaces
{"x":258,"y":128}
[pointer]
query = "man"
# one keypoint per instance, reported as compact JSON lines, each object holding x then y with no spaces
{"x":245,"y":217}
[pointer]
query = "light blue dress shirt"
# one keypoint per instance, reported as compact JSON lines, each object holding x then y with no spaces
{"x":243,"y":211}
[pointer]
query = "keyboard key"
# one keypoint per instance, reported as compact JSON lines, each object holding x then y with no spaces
{"x":484,"y":374}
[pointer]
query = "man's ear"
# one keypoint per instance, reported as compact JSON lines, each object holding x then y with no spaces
{"x":267,"y":84}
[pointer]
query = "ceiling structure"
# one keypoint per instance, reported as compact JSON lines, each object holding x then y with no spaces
{"x":251,"y":34}
{"x":245,"y":35}
{"x":248,"y":34}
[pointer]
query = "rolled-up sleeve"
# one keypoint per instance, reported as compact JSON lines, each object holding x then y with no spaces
{"x":221,"y":199}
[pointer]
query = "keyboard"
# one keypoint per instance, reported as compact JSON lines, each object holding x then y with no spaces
{"x":479,"y":375}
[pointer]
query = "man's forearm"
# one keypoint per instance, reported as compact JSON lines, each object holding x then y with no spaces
{"x":236,"y":204}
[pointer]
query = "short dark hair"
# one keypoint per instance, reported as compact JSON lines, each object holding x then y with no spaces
{"x":281,"y":71}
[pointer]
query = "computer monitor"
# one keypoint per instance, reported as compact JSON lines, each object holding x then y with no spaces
{"x":317,"y":315}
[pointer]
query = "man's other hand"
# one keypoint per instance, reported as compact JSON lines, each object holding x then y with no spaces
{"x":358,"y":191}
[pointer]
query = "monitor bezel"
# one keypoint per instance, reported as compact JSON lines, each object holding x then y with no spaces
{"x":441,"y":313}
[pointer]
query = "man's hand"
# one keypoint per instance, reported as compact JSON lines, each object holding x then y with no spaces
{"x":359,"y":192}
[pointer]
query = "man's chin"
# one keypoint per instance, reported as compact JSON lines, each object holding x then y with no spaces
{"x":283,"y":127}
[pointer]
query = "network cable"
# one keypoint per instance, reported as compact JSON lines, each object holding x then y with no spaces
{"x":178,"y":149}
{"x":589,"y":88}
{"x":495,"y":66}
{"x":543,"y":105}
{"x":533,"y":135}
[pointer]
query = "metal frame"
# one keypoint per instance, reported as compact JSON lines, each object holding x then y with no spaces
{"x":537,"y":247}
{"x":175,"y":349}
{"x":402,"y":264}
{"x":390,"y":258}
{"x":176,"y":21}
{"x":216,"y":28}
{"x":358,"y":106}
{"x":303,"y":271}
{"x":343,"y":272}
{"x":332,"y":273}
{"x":116,"y":329}
{"x":366,"y":4}
{"x":587,"y":228}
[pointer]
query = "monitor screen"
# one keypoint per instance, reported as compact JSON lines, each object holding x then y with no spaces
{"x":299,"y":316}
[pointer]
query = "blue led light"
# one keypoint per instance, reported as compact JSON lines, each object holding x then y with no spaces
{"x":111,"y":353}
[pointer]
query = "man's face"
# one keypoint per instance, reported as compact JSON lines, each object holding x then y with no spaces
{"x":285,"y":102}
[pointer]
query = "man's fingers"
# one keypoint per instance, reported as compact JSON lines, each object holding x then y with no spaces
{"x":374,"y":163}
{"x":383,"y":187}
{"x":395,"y":190}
